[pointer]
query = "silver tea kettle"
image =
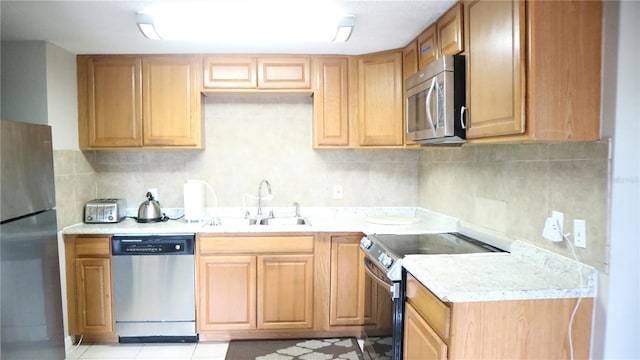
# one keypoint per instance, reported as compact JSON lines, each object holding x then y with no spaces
{"x":149,"y":210}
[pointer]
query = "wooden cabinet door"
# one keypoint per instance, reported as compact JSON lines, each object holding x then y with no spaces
{"x":410,"y":60}
{"x":380,"y":99}
{"x":226,"y":293}
{"x":428,"y":46}
{"x":420,"y":341}
{"x":495,"y":74}
{"x":285,"y":292}
{"x":450,"y":39}
{"x":230,"y":72}
{"x":331,"y":102}
{"x":284,"y":73}
{"x":347,"y":281}
{"x":171,"y":101}
{"x":94,"y":296}
{"x":109,"y":101}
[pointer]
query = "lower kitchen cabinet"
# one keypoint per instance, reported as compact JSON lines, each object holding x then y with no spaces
{"x":227,"y":293}
{"x":285,"y":292}
{"x":347,"y":281}
{"x":89,"y":285}
{"x":523,"y":329}
{"x":420,"y":340}
{"x":254,"y":283}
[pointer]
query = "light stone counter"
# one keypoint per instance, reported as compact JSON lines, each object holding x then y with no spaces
{"x":528,"y":272}
{"x":321,"y":220}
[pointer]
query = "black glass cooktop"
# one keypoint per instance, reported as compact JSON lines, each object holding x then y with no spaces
{"x":447,"y":243}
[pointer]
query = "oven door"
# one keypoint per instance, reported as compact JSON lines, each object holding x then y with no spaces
{"x":382,"y":315}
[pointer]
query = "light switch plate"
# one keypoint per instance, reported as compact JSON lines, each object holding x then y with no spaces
{"x":580,"y":233}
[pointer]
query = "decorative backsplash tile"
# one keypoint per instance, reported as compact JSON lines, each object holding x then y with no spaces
{"x":530,"y":180}
{"x":250,"y":138}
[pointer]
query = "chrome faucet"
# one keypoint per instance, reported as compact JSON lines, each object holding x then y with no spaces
{"x":269,"y":194}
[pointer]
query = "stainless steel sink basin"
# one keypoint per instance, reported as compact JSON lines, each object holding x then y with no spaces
{"x":286,"y":221}
{"x":282,"y":221}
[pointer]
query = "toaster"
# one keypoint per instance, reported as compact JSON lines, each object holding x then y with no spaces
{"x":104,"y":211}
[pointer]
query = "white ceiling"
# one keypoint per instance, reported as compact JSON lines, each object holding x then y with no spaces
{"x":108,"y":27}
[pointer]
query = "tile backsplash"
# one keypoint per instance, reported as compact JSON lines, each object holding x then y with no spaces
{"x":250,"y":138}
{"x":507,"y":188}
{"x":513,"y":188}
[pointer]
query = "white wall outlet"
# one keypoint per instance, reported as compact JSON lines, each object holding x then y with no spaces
{"x":560,"y":218}
{"x":154,"y":193}
{"x":551,"y":230}
{"x":338,"y":192}
{"x":580,"y":233}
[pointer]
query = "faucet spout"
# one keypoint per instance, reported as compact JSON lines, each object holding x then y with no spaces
{"x":269,"y":194}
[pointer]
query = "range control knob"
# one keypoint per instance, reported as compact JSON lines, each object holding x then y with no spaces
{"x":366,"y":243}
{"x":385,"y":260}
{"x":177,"y":247}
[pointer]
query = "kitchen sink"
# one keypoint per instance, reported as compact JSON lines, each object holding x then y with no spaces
{"x":286,"y":221}
{"x":279,"y":221}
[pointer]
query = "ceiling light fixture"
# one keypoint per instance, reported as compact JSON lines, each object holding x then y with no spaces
{"x":345,"y":27}
{"x":145,"y":24}
{"x":279,"y":22}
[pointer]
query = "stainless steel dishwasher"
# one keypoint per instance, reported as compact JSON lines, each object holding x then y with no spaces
{"x":154,"y":288}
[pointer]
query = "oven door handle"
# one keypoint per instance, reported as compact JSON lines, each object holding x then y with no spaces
{"x":382,"y":282}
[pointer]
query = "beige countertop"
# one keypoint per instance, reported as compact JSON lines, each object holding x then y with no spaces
{"x":525,"y":272}
{"x":528,"y":272}
{"x":320,"y":219}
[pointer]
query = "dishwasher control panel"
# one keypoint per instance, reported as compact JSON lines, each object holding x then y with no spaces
{"x":182,"y":244}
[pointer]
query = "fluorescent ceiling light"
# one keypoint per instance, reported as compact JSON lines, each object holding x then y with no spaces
{"x":245,"y":21}
{"x":145,"y":24}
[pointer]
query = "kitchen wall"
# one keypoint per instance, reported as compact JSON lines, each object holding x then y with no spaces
{"x":512,"y":189}
{"x":250,"y":138}
{"x":24,"y":82}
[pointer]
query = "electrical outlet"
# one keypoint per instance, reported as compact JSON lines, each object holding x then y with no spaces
{"x":559,"y":218}
{"x":338,"y":193}
{"x":551,"y":230}
{"x":580,"y":233}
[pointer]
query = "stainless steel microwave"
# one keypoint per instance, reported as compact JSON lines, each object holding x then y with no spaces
{"x":435,"y":99}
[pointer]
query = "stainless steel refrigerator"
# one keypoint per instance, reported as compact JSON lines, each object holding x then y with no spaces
{"x":31,"y":322}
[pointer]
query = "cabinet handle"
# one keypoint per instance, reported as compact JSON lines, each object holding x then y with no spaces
{"x":463,"y":109}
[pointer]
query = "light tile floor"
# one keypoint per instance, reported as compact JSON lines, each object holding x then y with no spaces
{"x":204,"y":350}
{"x":208,"y":350}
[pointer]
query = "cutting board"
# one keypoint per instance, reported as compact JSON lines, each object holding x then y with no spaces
{"x":392,"y":220}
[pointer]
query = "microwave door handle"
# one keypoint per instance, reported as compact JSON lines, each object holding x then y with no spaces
{"x":428,"y":108}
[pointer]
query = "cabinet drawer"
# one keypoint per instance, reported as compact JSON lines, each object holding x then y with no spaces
{"x":254,"y":244}
{"x":434,"y":311}
{"x":93,"y":246}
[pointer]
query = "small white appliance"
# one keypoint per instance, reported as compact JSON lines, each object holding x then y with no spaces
{"x":194,"y":201}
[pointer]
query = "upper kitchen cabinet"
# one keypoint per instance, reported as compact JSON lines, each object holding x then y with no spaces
{"x":257,"y":73}
{"x":449,"y":29}
{"x":331,"y":102}
{"x":139,"y":101}
{"x":171,"y":101}
{"x":534,"y":86}
{"x":109,"y":101}
{"x":444,"y":37}
{"x":410,"y":59}
{"x":380,"y":100}
{"x":230,"y":72}
{"x":427,"y":45}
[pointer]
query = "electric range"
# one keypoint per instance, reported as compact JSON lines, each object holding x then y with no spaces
{"x":383,"y":265}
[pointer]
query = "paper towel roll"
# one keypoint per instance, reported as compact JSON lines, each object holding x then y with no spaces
{"x":193,"y":201}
